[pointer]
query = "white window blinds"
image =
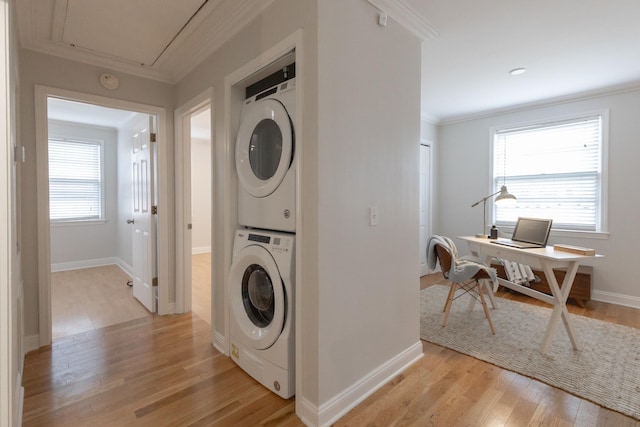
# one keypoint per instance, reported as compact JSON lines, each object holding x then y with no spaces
{"x":554,"y":170}
{"x":75,"y":180}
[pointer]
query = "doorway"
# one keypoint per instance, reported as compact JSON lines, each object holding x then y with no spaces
{"x":43,"y":95}
{"x":90,"y":244}
{"x":425,"y":203}
{"x":201,"y":208}
{"x":194,"y":195}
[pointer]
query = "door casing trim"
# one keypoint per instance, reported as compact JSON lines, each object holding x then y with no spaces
{"x":182,"y":140}
{"x":42,"y":183}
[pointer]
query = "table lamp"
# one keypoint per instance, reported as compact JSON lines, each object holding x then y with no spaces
{"x":503,"y":196}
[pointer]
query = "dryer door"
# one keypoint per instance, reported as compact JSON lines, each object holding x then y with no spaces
{"x":256,"y":296}
{"x":264,"y":147}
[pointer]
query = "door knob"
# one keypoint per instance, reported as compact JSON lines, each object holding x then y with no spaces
{"x":130,"y":221}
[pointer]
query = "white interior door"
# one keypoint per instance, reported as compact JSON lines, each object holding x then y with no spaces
{"x":425,"y":205}
{"x":143,"y":222}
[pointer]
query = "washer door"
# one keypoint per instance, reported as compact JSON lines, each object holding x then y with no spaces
{"x":256,"y":295}
{"x":264,"y":147}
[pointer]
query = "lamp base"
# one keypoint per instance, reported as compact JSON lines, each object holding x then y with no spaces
{"x":482,"y":236}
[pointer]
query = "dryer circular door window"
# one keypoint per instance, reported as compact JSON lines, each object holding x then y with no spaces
{"x":257,"y":299}
{"x":264,"y":147}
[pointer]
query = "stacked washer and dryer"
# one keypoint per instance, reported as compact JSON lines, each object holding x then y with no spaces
{"x":262,"y":277}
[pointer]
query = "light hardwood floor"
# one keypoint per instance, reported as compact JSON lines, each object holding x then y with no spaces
{"x":91,"y":298}
{"x":201,"y":286}
{"x":162,"y":371}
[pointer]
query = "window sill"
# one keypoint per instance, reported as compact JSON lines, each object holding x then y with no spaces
{"x":78,"y":223}
{"x":573,"y":234}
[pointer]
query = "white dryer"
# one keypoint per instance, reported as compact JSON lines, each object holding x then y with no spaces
{"x":266,"y":159}
{"x":261,"y":308}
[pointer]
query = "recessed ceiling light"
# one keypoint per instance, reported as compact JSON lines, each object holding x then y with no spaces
{"x":517,"y":71}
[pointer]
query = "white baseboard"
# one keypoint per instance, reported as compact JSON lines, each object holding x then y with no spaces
{"x":201,"y":250}
{"x":100,"y":262}
{"x":19,"y":403}
{"x":32,"y":342}
{"x":124,"y":266}
{"x":76,"y":265}
{"x":219,"y":343}
{"x":613,"y":298}
{"x":307,"y":411}
{"x":328,"y":413}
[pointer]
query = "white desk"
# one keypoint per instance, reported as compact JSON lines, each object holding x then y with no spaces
{"x":545,"y":259}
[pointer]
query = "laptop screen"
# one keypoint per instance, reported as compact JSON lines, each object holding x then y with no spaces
{"x":532,"y":230}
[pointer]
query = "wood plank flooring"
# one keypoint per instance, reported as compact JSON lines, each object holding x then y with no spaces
{"x":201,"y":286}
{"x":91,"y":298}
{"x":163,"y":371}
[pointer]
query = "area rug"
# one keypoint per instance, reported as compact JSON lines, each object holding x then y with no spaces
{"x":606,"y":371}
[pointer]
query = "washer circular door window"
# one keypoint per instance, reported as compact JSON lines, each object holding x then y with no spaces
{"x":264,"y":147}
{"x":257,"y":300}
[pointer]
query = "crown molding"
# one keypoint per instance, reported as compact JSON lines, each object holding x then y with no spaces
{"x":215,"y":30}
{"x":79,"y":54}
{"x":429,"y":118}
{"x":549,"y":102}
{"x":407,"y":16}
{"x":214,"y":25}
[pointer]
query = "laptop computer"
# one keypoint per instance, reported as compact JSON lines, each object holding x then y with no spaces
{"x":529,"y":233}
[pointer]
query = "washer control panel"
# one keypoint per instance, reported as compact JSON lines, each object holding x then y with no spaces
{"x":277,"y":244}
{"x":259,"y":238}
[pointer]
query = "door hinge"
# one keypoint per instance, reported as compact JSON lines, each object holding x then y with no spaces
{"x":154,"y":281}
{"x":152,"y":137}
{"x":154,"y":210}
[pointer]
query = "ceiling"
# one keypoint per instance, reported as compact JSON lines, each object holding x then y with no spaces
{"x":157,"y":39}
{"x":568,"y":47}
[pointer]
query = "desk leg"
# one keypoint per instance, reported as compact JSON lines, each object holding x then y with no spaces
{"x":560,"y":308}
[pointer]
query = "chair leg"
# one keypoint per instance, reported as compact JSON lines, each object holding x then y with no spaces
{"x":484,"y":307}
{"x":447,"y":307}
{"x":489,"y":288}
{"x":449,"y":297}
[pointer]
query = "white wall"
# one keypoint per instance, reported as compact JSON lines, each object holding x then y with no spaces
{"x":368,"y":156}
{"x":358,"y":139}
{"x":428,"y":129}
{"x":463,"y":177}
{"x":201,"y":195}
{"x":276,"y":23}
{"x":72,"y":243}
{"x":59,"y":73}
{"x":11,"y":297}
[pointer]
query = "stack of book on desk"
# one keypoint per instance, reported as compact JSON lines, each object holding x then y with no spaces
{"x":574,"y":249}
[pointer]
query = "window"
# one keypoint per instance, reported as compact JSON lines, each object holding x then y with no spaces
{"x":555,"y":170}
{"x":75,"y":180}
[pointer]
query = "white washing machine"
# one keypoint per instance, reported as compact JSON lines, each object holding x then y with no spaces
{"x":261,"y":307}
{"x":266,"y":159}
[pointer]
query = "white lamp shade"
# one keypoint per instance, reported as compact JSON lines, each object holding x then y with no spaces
{"x":505,"y":196}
